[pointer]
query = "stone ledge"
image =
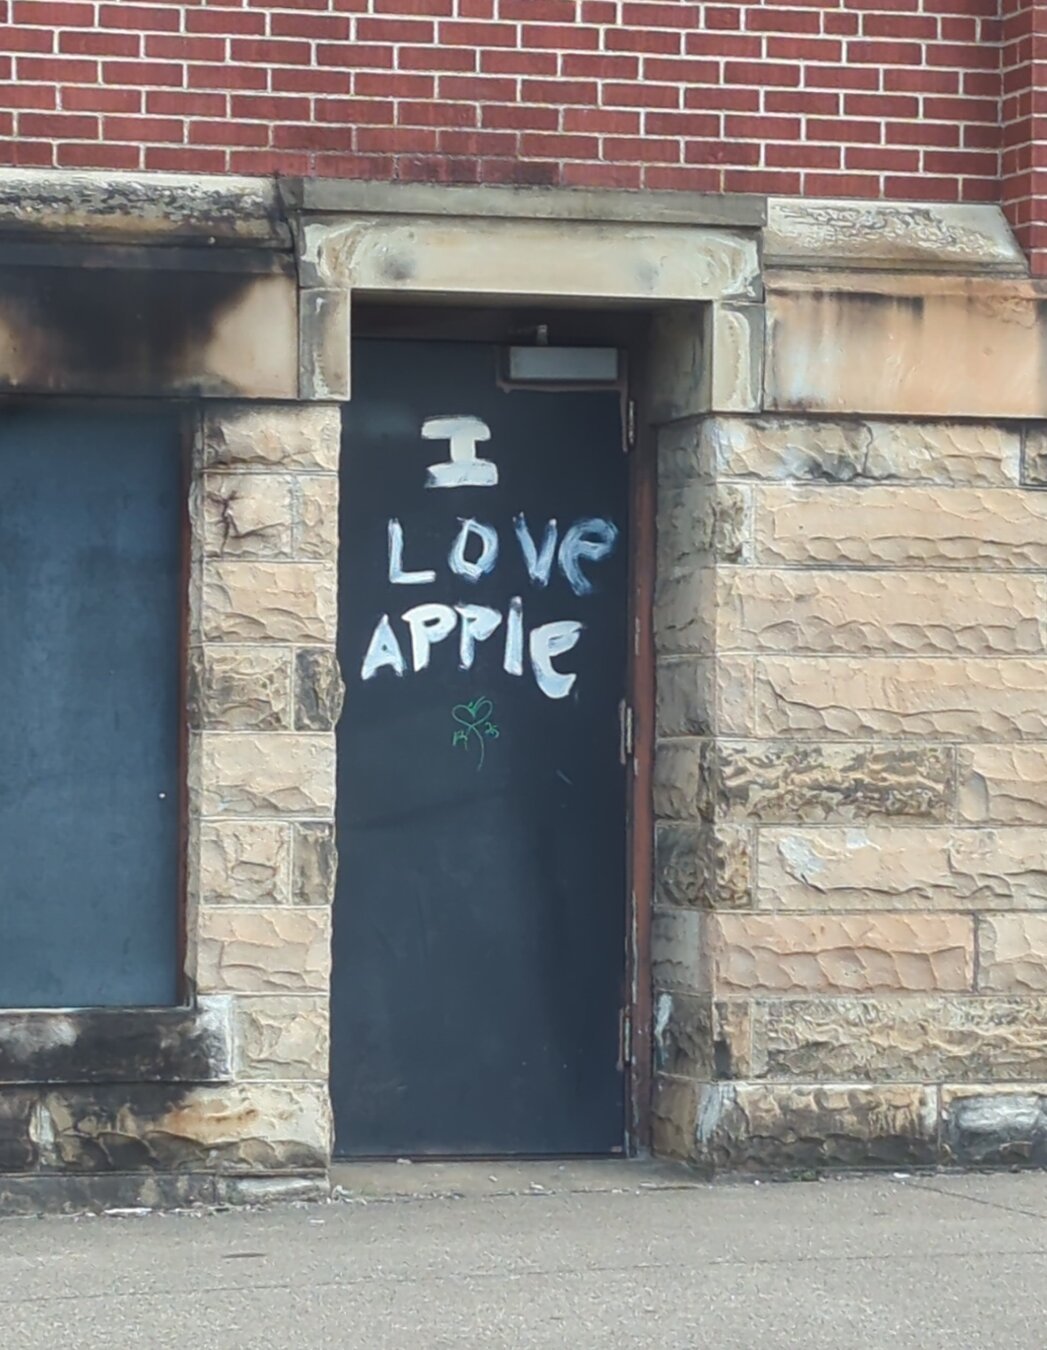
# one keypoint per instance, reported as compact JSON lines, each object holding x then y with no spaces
{"x":117,"y":1045}
{"x":33,"y":1195}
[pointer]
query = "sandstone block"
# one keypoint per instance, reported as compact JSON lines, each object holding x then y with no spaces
{"x":678,"y":779}
{"x":237,"y":1127}
{"x":994,"y":1126}
{"x":318,"y":689}
{"x":779,"y":1126}
{"x":1013,"y":952}
{"x":268,"y":436}
{"x":234,"y":688}
{"x":674,"y":1107}
{"x":965,"y":453}
{"x":684,"y":699}
{"x":848,"y":953}
{"x":699,"y":520}
{"x":1034,"y":455}
{"x":260,"y":951}
{"x":928,"y":1039}
{"x":685,"y":612}
{"x":244,"y":862}
{"x":246,"y":515}
{"x":972,"y":699}
{"x":315,"y":863}
{"x":263,"y":774}
{"x":911,"y":613}
{"x":1005,"y":784}
{"x":316,"y":517}
{"x":683,"y":1035}
{"x":678,"y":958}
{"x":18,"y":1130}
{"x":282,"y":1038}
{"x":900,"y":526}
{"x":685,"y":452}
{"x":279,"y":602}
{"x":902,"y":867}
{"x":706,"y":865}
{"x":771,"y":781}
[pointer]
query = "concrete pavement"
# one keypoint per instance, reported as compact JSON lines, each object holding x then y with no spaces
{"x":414,"y":1257}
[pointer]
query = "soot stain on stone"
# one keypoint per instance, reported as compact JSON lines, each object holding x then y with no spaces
{"x":107,"y":330}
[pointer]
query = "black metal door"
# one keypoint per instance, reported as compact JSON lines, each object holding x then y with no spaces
{"x":479,"y":937}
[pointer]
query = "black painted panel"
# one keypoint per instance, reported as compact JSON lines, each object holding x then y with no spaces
{"x":91,"y":511}
{"x":480,"y":916}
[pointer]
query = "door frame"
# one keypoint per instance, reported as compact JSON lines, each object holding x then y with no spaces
{"x":628,"y":330}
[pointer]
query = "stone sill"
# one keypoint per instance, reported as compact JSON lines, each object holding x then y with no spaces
{"x":127,"y":1193}
{"x":117,"y":1045}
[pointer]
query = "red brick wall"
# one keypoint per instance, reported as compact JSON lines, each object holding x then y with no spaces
{"x":894,"y":98}
{"x":1024,"y":124}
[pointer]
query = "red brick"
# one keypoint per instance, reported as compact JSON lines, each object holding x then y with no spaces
{"x":725,"y":99}
{"x":641,"y":96}
{"x":270,"y":161}
{"x":19,"y":95}
{"x":141,"y":18}
{"x":645,"y":149}
{"x":601,"y":66}
{"x":55,"y":126}
{"x":661,"y":14}
{"x":479,"y":35}
{"x":682,"y":124}
{"x":682,"y":70}
{"x":922,"y":133}
{"x":840,"y":25}
{"x":416,"y":7}
{"x":838,"y":185}
{"x":100,"y":44}
{"x":624,"y":177}
{"x":770,"y":19}
{"x":845,"y":131}
{"x":52,"y":14}
{"x":436,"y":58}
{"x":27,"y":154}
{"x":639,"y":40}
{"x":761,"y":180}
{"x":27,"y":39}
{"x":395,"y":30}
{"x":556,"y":145}
{"x":880,"y":105}
{"x":725,"y":17}
{"x":394,"y":140}
{"x":94,"y":99}
{"x":317,"y":27}
{"x":886,"y":53}
{"x":805,"y":101}
{"x":227,"y":133}
{"x":178,"y":48}
{"x":93,"y":155}
{"x":388,"y":83}
{"x":185,"y":103}
{"x":500,"y":62}
{"x":915,"y":26}
{"x":477,"y":88}
{"x":296,"y":80}
{"x":271,"y":52}
{"x":922,"y":188}
{"x":881,"y":158}
{"x":518,"y":171}
{"x":469,"y":141}
{"x":681,"y":178}
{"x":309,"y":136}
{"x":538,"y":11}
{"x":236,"y":22}
{"x":265,"y":107}
{"x":520,"y":117}
{"x":142,"y":73}
{"x":804,"y":49}
{"x":56,"y":69}
{"x":973,"y":163}
{"x":371,"y":112}
{"x":960,"y":109}
{"x":602,"y":121}
{"x":922,"y":81}
{"x":561,"y":92}
{"x":841,"y":77}
{"x":803,"y":156}
{"x":354,"y":55}
{"x":141,"y":129}
{"x":719,"y":46}
{"x":184,"y":159}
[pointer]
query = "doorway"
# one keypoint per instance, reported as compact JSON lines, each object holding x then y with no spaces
{"x":480,"y":939}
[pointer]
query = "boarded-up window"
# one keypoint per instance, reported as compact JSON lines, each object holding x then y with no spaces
{"x":91,"y":525}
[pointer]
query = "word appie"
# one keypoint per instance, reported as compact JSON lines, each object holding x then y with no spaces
{"x":474,"y":554}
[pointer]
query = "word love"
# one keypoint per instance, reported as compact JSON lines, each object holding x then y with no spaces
{"x":587,"y":540}
{"x":474,"y":554}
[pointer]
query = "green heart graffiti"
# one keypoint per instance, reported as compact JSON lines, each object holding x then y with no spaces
{"x":474,"y":723}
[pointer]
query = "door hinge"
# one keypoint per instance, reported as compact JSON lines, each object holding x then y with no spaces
{"x":625,"y":1037}
{"x":625,"y":731}
{"x":630,"y":424}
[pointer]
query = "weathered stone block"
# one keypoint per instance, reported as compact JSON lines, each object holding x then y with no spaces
{"x":1034,"y":455}
{"x":239,"y":688}
{"x":239,"y":1127}
{"x":674,"y":1107}
{"x":678,"y":779}
{"x":993,"y":1126}
{"x":685,"y":612}
{"x":927,"y":1039}
{"x":315,"y":863}
{"x":678,"y":955}
{"x":1005,"y":784}
{"x":684,"y":696}
{"x":266,"y":774}
{"x":242,"y":435}
{"x":902,"y":867}
{"x":282,"y":1038}
{"x":701,"y":521}
{"x":732,"y":1038}
{"x":318,"y":689}
{"x":277,"y":602}
{"x":771,"y":781}
{"x":246,"y":515}
{"x":19,"y":1130}
{"x":258,"y":951}
{"x":966,"y":453}
{"x":848,"y":953}
{"x":1013,"y":951}
{"x":685,"y":452}
{"x":706,"y":865}
{"x":244,"y":862}
{"x":780,"y":1127}
{"x":683,"y":1035}
{"x":900,"y":527}
{"x":972,"y":699}
{"x":316,"y":517}
{"x":915,"y":613}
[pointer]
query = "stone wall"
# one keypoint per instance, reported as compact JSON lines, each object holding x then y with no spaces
{"x":850,"y":936}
